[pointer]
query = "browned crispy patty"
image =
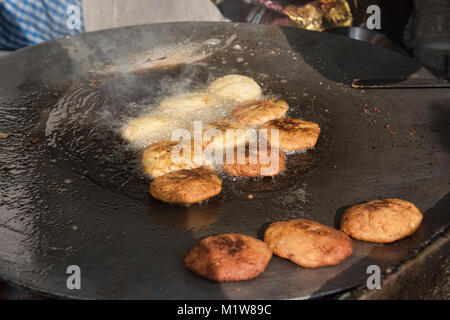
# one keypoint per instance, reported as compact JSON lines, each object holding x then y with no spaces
{"x":228,"y":257}
{"x":308,"y":243}
{"x":270,"y":165}
{"x":232,"y":134}
{"x":385,"y":220}
{"x":293,"y":134}
{"x":157,"y":159}
{"x":186,"y":186}
{"x":255,"y":112}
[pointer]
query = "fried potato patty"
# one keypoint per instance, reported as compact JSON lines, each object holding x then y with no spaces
{"x":157,"y":159}
{"x":308,"y":243}
{"x":188,"y":103}
{"x":231,"y":134}
{"x":258,"y":112}
{"x":236,"y":87}
{"x":140,"y":131}
{"x":254,"y":163}
{"x":228,"y":257}
{"x":293,"y":134}
{"x":186,"y":186}
{"x":385,"y":220}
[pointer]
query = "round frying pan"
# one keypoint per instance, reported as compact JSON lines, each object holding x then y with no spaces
{"x":72,"y":192}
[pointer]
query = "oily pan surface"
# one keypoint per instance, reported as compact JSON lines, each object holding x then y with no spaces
{"x":72,"y":190}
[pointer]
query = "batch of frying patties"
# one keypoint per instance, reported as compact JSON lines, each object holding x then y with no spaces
{"x":234,"y":257}
{"x":192,"y":178}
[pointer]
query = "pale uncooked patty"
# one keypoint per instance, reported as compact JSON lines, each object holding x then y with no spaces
{"x":236,"y":87}
{"x":140,"y":131}
{"x":187,"y":103}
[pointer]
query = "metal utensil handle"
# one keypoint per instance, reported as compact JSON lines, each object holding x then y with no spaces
{"x":399,"y":83}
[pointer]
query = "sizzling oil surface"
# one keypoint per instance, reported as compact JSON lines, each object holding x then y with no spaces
{"x":86,"y":122}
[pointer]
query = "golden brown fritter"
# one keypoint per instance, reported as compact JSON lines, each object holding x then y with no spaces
{"x":308,"y":243}
{"x":270,"y":165}
{"x":237,"y":134}
{"x":184,"y":104}
{"x":157,"y":159}
{"x":293,"y":134}
{"x":186,"y":186}
{"x":385,"y":220}
{"x":228,"y":257}
{"x":258,"y":112}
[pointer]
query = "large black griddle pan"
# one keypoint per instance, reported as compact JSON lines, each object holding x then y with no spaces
{"x":72,"y":193}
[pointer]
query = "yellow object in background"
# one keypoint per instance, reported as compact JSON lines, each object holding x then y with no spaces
{"x":320,"y":14}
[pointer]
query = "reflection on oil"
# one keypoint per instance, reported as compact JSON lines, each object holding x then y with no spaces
{"x":191,"y":217}
{"x":20,"y":193}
